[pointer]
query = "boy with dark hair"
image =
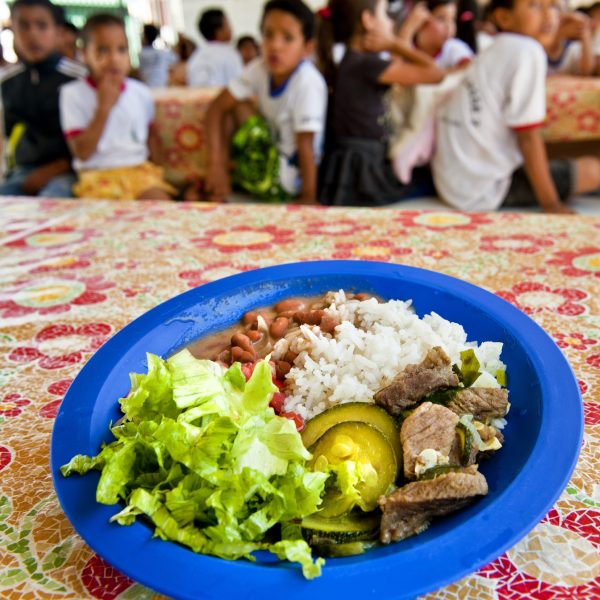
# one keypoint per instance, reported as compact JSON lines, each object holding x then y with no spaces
{"x":154,"y":62}
{"x":216,"y":63}
{"x":489,"y":149}
{"x":291,"y":95}
{"x":248,"y":48}
{"x":39,"y":162}
{"x":106,"y":119}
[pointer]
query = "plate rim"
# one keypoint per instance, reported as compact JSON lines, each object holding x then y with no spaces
{"x":332,"y":572}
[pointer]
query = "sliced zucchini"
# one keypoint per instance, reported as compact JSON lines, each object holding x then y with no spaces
{"x":363,"y":444}
{"x":465,"y":440}
{"x":332,"y":550}
{"x":439,"y":470}
{"x":354,"y":411}
{"x":353,"y":527}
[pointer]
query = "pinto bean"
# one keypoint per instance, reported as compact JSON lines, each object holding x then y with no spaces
{"x":363,"y":296}
{"x":250,"y":318}
{"x":278,"y":327}
{"x":310,"y":317}
{"x":236,"y":354}
{"x":225,"y":356}
{"x":329,"y":323}
{"x":282,"y":368}
{"x":241,"y":340}
{"x":247,"y":357}
{"x":288,"y":314}
{"x":253,"y":335}
{"x":287,"y":305}
{"x":290,"y":356}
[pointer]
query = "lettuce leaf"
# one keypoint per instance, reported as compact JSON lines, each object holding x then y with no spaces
{"x":200,"y":453}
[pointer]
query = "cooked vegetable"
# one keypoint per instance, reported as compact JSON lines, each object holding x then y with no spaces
{"x":469,"y":369}
{"x":354,"y":411}
{"x":203,"y":457}
{"x":465,"y":438}
{"x":331,"y":550}
{"x":352,"y":527}
{"x":363,"y":462}
{"x":439,"y":470}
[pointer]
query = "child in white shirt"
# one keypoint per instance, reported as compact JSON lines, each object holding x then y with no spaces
{"x":217,"y":62}
{"x":490,"y":126}
{"x":291,"y":95}
{"x":106,"y":120}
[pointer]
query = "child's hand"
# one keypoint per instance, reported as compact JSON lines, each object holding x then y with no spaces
{"x":217,"y":184}
{"x":557,"y":209}
{"x":377,"y":42}
{"x":417,"y":17}
{"x":109,"y":90}
{"x":573,"y":26}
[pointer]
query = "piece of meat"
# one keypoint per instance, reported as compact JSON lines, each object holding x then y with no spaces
{"x":429,"y":426}
{"x":433,"y":373}
{"x":482,"y":403}
{"x":409,"y":509}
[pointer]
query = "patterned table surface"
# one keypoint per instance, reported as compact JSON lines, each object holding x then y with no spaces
{"x":573,"y":115}
{"x":74,"y":273}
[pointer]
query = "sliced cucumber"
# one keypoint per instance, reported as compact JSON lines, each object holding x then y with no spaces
{"x":354,"y":411}
{"x":352,"y":527}
{"x":334,"y":550}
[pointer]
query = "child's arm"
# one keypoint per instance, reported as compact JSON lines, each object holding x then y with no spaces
{"x":577,"y":26}
{"x":218,"y":184}
{"x":588,"y":60}
{"x":39,"y":178}
{"x":153,"y":145}
{"x":417,"y":17}
{"x":536,"y":166}
{"x":84,"y":144}
{"x":308,"y":167}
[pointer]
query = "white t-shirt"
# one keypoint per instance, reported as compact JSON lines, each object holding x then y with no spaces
{"x":453,"y":53}
{"x":299,"y":105}
{"x":570,"y":61}
{"x":124,"y":141}
{"x":154,"y":66}
{"x":476,"y":144}
{"x":213,"y":65}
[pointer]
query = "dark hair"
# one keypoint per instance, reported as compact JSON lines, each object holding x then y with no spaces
{"x":151,"y":32}
{"x":467,"y":14}
{"x":56,"y":12}
{"x":588,"y":10}
{"x":495,"y":4}
{"x":298,"y":10}
{"x":211,"y":20}
{"x":246,"y":39}
{"x":100,"y":20}
{"x":72,"y":28}
{"x":337,"y":26}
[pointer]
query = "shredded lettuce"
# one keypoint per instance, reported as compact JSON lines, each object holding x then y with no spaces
{"x":201,"y":454}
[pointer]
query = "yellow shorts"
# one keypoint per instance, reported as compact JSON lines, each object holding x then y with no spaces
{"x":122,"y":183}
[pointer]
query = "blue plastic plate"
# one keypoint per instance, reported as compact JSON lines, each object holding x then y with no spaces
{"x":543,"y":437}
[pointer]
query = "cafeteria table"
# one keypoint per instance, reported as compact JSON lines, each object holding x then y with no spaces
{"x":73,"y":273}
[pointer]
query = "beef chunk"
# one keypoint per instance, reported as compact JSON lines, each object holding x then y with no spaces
{"x":434,"y":372}
{"x":482,"y":403}
{"x":429,"y":426}
{"x":409,"y":509}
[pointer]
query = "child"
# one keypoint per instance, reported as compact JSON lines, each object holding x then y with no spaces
{"x":356,"y":170}
{"x":39,"y":162}
{"x":154,"y":62}
{"x":489,"y":149}
{"x":570,"y":46}
{"x":291,"y":96}
{"x":216,"y":63}
{"x":106,"y":120}
{"x":248,"y":48}
{"x":433,"y":31}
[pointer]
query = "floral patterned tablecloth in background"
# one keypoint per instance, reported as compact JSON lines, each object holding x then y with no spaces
{"x":573,"y":115}
{"x":74,"y":273}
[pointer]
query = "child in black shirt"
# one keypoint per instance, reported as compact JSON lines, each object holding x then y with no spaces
{"x":39,"y":162}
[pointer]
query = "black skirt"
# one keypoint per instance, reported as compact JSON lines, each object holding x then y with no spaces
{"x":356,"y":172}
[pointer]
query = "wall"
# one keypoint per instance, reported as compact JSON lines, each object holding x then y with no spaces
{"x":243,"y":14}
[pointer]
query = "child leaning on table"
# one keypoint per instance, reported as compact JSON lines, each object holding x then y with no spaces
{"x":107,"y":119}
{"x":291,"y":95}
{"x":489,"y":148}
{"x":39,"y":162}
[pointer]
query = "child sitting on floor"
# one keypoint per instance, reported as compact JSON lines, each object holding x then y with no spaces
{"x":356,"y":170}
{"x":431,"y":27}
{"x":291,"y":95}
{"x":489,"y":149}
{"x":107,"y":118}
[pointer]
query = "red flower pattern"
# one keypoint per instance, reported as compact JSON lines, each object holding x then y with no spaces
{"x":521,"y":243}
{"x":577,"y":341}
{"x":591,"y":413}
{"x":12,"y":405}
{"x":102,"y":580}
{"x":53,"y":237}
{"x":578,"y":263}
{"x":58,"y":388}
{"x":593,"y":361}
{"x":5,"y":457}
{"x":533,"y":297}
{"x":54,"y":295}
{"x":442,"y":220}
{"x":244,"y":238}
{"x":196,"y":277}
{"x":331,"y":229}
{"x":54,"y":340}
{"x":588,"y":120}
{"x":380,"y":250}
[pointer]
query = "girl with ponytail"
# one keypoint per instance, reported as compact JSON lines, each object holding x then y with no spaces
{"x":356,"y":171}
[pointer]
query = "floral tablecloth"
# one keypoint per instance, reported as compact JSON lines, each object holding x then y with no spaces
{"x":573,"y":116}
{"x":74,"y":273}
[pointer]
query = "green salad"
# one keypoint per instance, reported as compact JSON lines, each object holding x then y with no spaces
{"x":200,"y":453}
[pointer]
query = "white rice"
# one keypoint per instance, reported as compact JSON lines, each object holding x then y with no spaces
{"x":373,"y":343}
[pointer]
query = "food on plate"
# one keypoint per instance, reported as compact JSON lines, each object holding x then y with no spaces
{"x":324,"y":424}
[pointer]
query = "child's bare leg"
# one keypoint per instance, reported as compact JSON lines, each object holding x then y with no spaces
{"x":587,"y":178}
{"x":153,"y":193}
